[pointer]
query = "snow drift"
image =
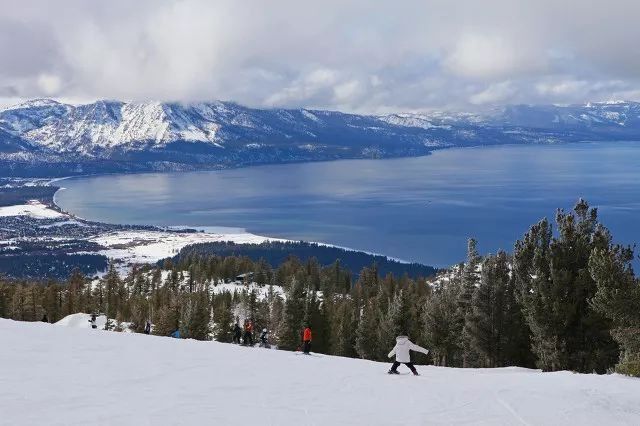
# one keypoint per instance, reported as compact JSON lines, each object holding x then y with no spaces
{"x":77,"y":376}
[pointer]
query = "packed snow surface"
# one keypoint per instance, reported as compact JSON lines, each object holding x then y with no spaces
{"x":151,"y":246}
{"x":127,"y":246}
{"x":82,"y":321}
{"x":34,"y":209}
{"x":78,"y":376}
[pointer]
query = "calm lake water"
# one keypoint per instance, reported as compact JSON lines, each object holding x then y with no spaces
{"x":419,"y":209}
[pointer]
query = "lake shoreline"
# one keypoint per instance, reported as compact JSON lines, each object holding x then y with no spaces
{"x":279,"y":218}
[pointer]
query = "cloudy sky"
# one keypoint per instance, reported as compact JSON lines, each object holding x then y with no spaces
{"x":353,"y":55}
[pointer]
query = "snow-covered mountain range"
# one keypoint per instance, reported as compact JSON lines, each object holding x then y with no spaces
{"x":44,"y":136}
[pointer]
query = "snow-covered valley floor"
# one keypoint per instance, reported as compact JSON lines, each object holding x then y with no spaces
{"x":55,"y":375}
{"x":127,"y":245}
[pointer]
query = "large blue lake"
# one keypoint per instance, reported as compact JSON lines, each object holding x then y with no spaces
{"x":419,"y":209}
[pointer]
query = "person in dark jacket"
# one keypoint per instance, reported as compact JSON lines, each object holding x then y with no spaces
{"x":237,"y":333}
{"x":306,"y":340}
{"x":264,"y":339}
{"x":92,"y":321}
{"x":147,"y":327}
{"x":45,"y":318}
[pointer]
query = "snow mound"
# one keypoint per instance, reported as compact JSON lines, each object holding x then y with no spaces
{"x":34,"y":209}
{"x":81,"y":321}
{"x":79,"y":377}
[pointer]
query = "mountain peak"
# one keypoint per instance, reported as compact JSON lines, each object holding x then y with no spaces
{"x":35,"y":103}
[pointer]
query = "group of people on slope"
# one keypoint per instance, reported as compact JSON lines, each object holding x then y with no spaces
{"x":244,"y":335}
{"x":94,"y":325}
{"x":401,"y":350}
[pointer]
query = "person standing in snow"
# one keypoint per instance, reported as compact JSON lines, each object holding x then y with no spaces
{"x":306,"y":340}
{"x":45,"y":318}
{"x":263,"y":339}
{"x":248,"y":333}
{"x":92,"y":321}
{"x":237,"y":333}
{"x":401,"y":351}
{"x":147,"y":327}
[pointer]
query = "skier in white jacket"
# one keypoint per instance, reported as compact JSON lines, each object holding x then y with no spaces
{"x":401,"y":351}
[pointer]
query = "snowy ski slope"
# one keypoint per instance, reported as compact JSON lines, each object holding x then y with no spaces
{"x":77,"y":376}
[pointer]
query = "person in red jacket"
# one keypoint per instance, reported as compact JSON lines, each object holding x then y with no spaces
{"x":306,"y":340}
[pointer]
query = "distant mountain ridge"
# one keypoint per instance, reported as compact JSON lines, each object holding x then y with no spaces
{"x":46,"y":137}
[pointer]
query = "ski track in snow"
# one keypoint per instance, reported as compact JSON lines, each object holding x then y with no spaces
{"x":77,"y":376}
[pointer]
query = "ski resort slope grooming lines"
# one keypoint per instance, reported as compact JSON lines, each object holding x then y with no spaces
{"x":107,"y":378}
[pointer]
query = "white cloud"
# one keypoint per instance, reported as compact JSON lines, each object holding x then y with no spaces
{"x":489,"y":56}
{"x":49,"y":84}
{"x":495,"y":93}
{"x":411,"y":55}
{"x":562,"y":88}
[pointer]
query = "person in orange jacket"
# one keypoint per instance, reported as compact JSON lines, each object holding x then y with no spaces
{"x":248,"y":333}
{"x":306,"y":340}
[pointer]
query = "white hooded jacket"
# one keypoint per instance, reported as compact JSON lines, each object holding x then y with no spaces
{"x":402,"y":348}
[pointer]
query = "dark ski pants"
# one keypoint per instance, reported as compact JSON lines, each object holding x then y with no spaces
{"x":306,"y":346}
{"x":396,"y":364}
{"x":248,"y":338}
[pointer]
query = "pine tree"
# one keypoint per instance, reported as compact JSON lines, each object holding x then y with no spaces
{"x":443,"y":324}
{"x":618,"y":298}
{"x":17,"y":304}
{"x":112,"y":284}
{"x":223,"y":320}
{"x":195,"y":316}
{"x":75,"y":286}
{"x":293,"y":315}
{"x":470,"y":280}
{"x":394,"y":322}
{"x":487,"y":322}
{"x":316,"y":318}
{"x":275,"y":315}
{"x":166,"y":321}
{"x":344,"y":325}
{"x":367,"y":333}
{"x":139,"y":309}
{"x":555,"y":287}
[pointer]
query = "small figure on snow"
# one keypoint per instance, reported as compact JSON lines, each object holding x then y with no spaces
{"x":263,"y":339}
{"x":237,"y":333}
{"x":92,"y":321}
{"x":147,"y":327}
{"x":401,"y":351}
{"x":45,"y":318}
{"x":306,"y":340}
{"x":176,"y":334}
{"x":248,"y":333}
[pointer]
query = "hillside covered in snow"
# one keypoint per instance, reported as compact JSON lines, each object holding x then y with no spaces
{"x":46,"y":137}
{"x":77,"y":376}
